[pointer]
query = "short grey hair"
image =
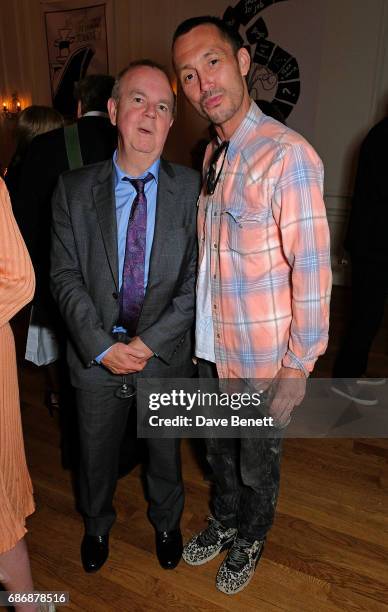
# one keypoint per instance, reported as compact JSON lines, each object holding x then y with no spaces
{"x":138,"y":63}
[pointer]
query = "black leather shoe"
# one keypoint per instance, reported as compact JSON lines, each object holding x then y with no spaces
{"x":94,"y":552}
{"x":169,"y":548}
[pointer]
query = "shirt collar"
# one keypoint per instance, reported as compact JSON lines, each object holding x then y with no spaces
{"x":120,"y":174}
{"x":96,"y":114}
{"x":238,"y":139}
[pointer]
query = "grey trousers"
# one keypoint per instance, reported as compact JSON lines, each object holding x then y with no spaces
{"x":102,"y":421}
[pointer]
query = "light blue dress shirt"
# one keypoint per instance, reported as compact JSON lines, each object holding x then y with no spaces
{"x":125,"y":194}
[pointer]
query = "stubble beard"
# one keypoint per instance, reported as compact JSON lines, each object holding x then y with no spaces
{"x":221,"y":115}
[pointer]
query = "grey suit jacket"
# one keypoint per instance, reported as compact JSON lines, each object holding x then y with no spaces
{"x":84,"y":271}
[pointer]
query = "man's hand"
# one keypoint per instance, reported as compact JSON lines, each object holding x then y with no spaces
{"x":290,"y":389}
{"x":120,"y":360}
{"x":139,"y":350}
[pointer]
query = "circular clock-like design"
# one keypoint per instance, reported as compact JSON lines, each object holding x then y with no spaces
{"x":274,"y":73}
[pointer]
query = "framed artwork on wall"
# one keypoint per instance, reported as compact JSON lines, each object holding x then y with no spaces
{"x":77,"y":45}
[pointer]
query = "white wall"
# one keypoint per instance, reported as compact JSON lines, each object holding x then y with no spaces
{"x":353,"y":84}
{"x":352,"y":97}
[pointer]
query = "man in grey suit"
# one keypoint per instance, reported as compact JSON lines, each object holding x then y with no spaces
{"x":123,"y":275}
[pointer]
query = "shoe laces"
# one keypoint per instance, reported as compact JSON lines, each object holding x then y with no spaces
{"x":238,"y":555}
{"x":210,"y":535}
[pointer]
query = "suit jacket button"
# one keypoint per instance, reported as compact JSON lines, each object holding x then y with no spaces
{"x":115,"y":295}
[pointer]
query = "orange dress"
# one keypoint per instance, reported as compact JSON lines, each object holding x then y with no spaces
{"x":17,"y":284}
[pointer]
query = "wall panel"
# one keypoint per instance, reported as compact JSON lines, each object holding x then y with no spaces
{"x":353,"y":86}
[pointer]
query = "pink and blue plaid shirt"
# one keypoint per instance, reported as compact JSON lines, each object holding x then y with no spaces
{"x":269,"y":265}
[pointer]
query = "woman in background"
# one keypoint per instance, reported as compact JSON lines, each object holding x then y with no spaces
{"x":32,"y":121}
{"x":42,"y":346}
{"x":17,"y":286}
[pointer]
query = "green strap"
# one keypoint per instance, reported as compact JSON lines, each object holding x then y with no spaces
{"x":73,"y":148}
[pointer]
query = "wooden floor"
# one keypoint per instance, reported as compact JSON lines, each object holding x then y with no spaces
{"x":328,"y":549}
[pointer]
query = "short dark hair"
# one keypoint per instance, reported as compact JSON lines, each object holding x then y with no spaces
{"x":230,"y":34}
{"x":136,"y":64}
{"x":93,"y":92}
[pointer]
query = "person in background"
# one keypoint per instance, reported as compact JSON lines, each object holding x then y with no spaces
{"x":48,"y":156}
{"x":17,"y":285}
{"x":366,"y":241}
{"x":91,"y":139}
{"x":31,"y":122}
{"x":263,"y":285}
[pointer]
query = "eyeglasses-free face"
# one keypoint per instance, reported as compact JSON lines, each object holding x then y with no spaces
{"x":212,"y":75}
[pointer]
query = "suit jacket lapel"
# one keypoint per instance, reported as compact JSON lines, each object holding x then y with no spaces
{"x":164,"y":221}
{"x":104,"y":199}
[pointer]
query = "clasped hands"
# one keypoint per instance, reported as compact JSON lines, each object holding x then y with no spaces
{"x":127,"y":358}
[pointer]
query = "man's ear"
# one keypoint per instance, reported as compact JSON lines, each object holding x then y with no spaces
{"x":244,"y":61}
{"x":112,"y":110}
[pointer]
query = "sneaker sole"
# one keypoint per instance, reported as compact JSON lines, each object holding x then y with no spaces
{"x":243,"y":586}
{"x":356,"y":400}
{"x":224,"y":547}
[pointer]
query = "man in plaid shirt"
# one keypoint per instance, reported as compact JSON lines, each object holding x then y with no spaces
{"x":263,"y":286}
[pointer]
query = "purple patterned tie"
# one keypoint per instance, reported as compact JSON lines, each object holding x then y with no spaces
{"x":132,"y":288}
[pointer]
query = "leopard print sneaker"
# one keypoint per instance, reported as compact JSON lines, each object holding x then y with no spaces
{"x":238,"y":567}
{"x":208,"y":543}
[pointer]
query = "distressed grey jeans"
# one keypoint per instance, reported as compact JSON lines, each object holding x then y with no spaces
{"x":246,"y":476}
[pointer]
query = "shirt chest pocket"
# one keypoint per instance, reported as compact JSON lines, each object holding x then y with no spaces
{"x":247,"y":232}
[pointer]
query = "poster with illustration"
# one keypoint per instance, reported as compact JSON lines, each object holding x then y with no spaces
{"x":284,"y":41}
{"x":76,"y":46}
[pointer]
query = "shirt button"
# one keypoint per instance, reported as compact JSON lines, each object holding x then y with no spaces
{"x":218,"y":336}
{"x":114,"y":295}
{"x":214,"y":275}
{"x":215,"y":245}
{"x":214,"y":305}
